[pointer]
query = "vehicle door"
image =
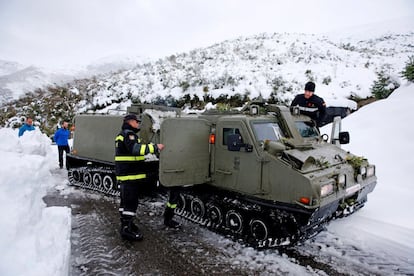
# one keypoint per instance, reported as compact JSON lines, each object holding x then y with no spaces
{"x":185,"y":159}
{"x":236,"y":168}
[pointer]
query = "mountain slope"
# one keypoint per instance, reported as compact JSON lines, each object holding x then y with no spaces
{"x":274,"y":66}
{"x":16,"y":79}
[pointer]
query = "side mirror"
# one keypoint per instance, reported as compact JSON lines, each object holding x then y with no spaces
{"x":344,"y":137}
{"x":338,"y":137}
{"x":234,"y":143}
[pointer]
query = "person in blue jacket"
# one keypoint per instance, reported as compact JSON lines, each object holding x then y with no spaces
{"x":61,"y":138}
{"x":28,"y":125}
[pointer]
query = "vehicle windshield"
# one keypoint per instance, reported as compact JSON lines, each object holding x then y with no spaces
{"x":307,"y":129}
{"x":267,"y":131}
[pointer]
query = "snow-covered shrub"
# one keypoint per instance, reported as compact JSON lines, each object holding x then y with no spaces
{"x":383,"y":86}
{"x":408,"y":72}
{"x":327,"y":80}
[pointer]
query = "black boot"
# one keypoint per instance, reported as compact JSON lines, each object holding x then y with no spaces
{"x":129,"y":231}
{"x":168,"y":218}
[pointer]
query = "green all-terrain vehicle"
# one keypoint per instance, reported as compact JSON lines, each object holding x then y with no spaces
{"x":263,"y":174}
{"x":91,"y":162}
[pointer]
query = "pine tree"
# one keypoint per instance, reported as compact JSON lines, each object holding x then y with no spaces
{"x":383,"y":86}
{"x":408,"y":72}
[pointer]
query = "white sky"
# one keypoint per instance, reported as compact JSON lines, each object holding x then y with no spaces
{"x":57,"y":32}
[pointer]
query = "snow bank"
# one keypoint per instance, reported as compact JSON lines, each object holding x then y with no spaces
{"x":34,"y":239}
{"x":382,"y":132}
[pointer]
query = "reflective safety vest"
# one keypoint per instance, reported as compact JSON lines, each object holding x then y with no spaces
{"x":313,"y":107}
{"x":171,"y":205}
{"x":129,"y":154}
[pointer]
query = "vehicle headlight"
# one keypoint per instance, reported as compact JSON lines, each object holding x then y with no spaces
{"x":327,"y":189}
{"x":370,"y":171}
{"x":341,"y":180}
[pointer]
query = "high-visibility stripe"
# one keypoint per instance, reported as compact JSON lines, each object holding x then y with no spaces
{"x":172,"y":206}
{"x":129,"y":158}
{"x":128,"y":213}
{"x":142,"y":150}
{"x":119,"y":138}
{"x":151,"y":148}
{"x":131,"y":177}
{"x":309,"y":109}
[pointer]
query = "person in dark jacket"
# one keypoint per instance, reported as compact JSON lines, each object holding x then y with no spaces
{"x":129,"y":155}
{"x":309,"y":104}
{"x":61,"y":138}
{"x":28,"y":125}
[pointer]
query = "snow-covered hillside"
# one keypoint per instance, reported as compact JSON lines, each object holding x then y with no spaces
{"x":17,"y":79}
{"x":274,"y":66}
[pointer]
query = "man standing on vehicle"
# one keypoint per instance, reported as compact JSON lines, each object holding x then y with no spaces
{"x":309,"y":104}
{"x":61,"y":138}
{"x":129,"y":155}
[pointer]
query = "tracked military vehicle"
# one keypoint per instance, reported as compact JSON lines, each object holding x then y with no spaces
{"x":264,"y":175}
{"x":91,"y":162}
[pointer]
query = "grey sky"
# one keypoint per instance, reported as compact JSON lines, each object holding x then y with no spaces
{"x":57,"y":32}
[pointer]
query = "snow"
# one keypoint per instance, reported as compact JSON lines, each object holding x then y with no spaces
{"x":389,"y":134}
{"x":382,"y":132}
{"x":262,"y":65}
{"x":35,"y":238}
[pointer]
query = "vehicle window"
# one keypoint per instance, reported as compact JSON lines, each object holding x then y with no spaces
{"x":267,"y":131}
{"x":307,"y":129}
{"x":229,"y":131}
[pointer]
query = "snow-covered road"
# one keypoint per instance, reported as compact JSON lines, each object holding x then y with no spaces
{"x":96,"y":247}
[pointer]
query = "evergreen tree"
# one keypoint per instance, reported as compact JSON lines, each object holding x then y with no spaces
{"x":383,"y":86}
{"x":408,"y":72}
